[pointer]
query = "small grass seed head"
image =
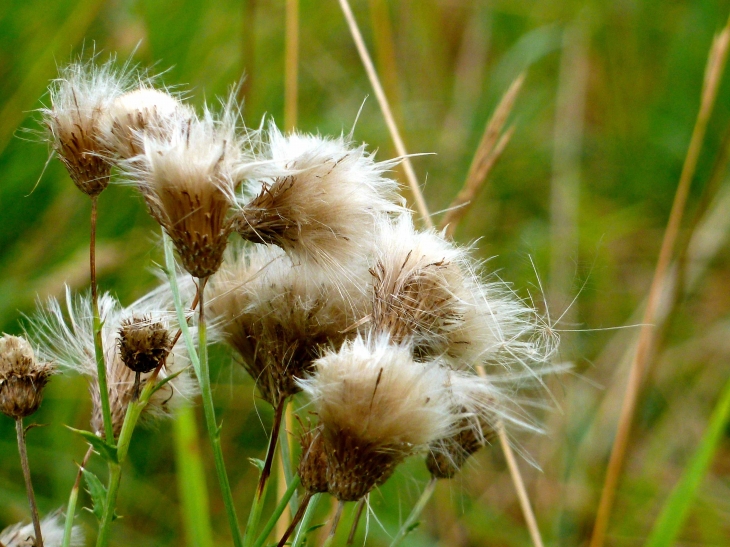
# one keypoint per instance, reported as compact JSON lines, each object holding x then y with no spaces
{"x":80,"y":99}
{"x":22,"y":377}
{"x":376,"y":407}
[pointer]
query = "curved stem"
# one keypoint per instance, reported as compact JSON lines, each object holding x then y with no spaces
{"x":266,"y":471}
{"x":415,"y":513}
{"x":72,"y":499}
{"x":277,"y":512}
{"x":28,"y":484}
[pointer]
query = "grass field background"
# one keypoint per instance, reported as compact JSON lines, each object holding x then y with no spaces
{"x":603,"y":122}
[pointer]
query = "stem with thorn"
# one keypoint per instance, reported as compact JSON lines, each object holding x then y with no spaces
{"x":28,"y":484}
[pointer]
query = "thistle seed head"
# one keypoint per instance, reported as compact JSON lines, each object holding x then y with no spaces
{"x":376,"y":406}
{"x":320,"y":201}
{"x":143,"y":344}
{"x":22,"y":377}
{"x":80,"y":99}
{"x":313,"y":461}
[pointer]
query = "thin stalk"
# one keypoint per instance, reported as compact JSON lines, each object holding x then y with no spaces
{"x":98,"y":346}
{"x":387,"y":114}
{"x":283,"y":502}
{"x":301,"y":512}
{"x":266,"y":471}
{"x":416,"y":512}
{"x":28,"y":484}
{"x":335,"y":523}
{"x":134,"y":410}
{"x":73,"y":498}
{"x":204,"y":381}
{"x":210,"y":420}
{"x":713,"y":75}
{"x":311,"y":506}
{"x":356,"y":520}
{"x":288,"y":472}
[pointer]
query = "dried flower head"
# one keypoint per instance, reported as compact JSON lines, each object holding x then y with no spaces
{"x":80,"y":99}
{"x":313,"y":462}
{"x":321,"y":202}
{"x":427,"y":291}
{"x":188,"y":173}
{"x":143,"y":344}
{"x":70,"y":344}
{"x":23,"y":535}
{"x":22,"y":377}
{"x":376,"y":406}
{"x":129,"y":117}
{"x":278,"y":315}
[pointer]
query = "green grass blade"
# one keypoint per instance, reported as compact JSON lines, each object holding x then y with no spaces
{"x":673,"y":514}
{"x":191,"y":480}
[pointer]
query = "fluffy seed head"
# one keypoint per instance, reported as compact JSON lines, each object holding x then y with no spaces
{"x":143,"y":344}
{"x":428,"y":292}
{"x":188,"y":173}
{"x":22,"y":377}
{"x":80,"y":99}
{"x":23,"y":535}
{"x":376,"y":406}
{"x":145,"y":110}
{"x":70,"y":343}
{"x":278,"y":315}
{"x":321,"y":201}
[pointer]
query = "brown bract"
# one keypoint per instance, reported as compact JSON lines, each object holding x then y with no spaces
{"x":313,"y":462}
{"x":143,"y":344}
{"x":448,"y":456}
{"x":22,"y":377}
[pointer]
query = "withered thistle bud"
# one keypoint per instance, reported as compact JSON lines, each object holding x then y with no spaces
{"x":22,"y":377}
{"x":313,"y":462}
{"x":143,"y":344}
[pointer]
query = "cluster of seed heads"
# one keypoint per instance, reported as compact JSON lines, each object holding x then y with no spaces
{"x":328,"y":288}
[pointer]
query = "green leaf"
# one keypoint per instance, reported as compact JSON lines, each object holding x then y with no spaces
{"x":97,"y":492}
{"x":259,"y":464}
{"x":107,"y":451}
{"x":315,"y":527}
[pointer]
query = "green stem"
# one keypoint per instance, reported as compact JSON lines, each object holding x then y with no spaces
{"x":356,"y":520}
{"x":72,"y":499}
{"x":201,"y":370}
{"x":278,"y":511}
{"x":98,"y":346}
{"x":311,"y":507}
{"x":134,"y":410}
{"x":286,"y":460}
{"x":417,"y":510}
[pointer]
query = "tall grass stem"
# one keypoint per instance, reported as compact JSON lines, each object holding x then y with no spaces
{"x":408,"y":525}
{"x":72,"y":500}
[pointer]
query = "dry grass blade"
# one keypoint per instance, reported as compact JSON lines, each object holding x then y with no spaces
{"x":716,"y":64}
{"x":490,"y":148}
{"x":291,"y":65}
{"x":387,"y":113}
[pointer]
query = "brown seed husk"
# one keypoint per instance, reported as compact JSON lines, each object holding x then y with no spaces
{"x":22,"y":378}
{"x":313,"y":462}
{"x":143,"y":345}
{"x":83,"y":157}
{"x":448,"y":456}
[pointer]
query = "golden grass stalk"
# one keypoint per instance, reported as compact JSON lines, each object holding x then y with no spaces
{"x":494,"y":140}
{"x":387,"y":113}
{"x":713,"y":73}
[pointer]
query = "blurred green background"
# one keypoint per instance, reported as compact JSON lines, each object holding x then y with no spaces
{"x":583,"y":189}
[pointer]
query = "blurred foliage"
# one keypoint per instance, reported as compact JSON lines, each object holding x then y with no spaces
{"x":452,"y":61}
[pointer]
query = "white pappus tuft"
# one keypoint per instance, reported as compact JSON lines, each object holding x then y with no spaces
{"x":69,"y":343}
{"x":320,"y":201}
{"x":23,"y":535}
